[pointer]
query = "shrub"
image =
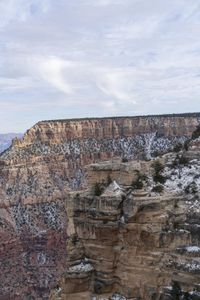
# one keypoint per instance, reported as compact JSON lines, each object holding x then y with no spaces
{"x":178,"y":147}
{"x":178,"y":294}
{"x":124,"y":159}
{"x":98,"y":189}
{"x":158,"y":167}
{"x":159,"y":178}
{"x":143,"y":177}
{"x":183,"y":160}
{"x":176,"y":291}
{"x":180,"y":160}
{"x":109,"y":180}
{"x":191,"y":188}
{"x":157,"y":172}
{"x":156,"y":153}
{"x":158,"y":189}
{"x":186,"y":145}
{"x":137,"y":184}
{"x":196,"y":133}
{"x":187,"y":296}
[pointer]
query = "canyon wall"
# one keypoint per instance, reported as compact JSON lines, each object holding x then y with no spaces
{"x":130,"y":243}
{"x":71,"y":144}
{"x":38,"y":171}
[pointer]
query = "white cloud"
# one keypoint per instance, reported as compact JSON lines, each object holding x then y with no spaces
{"x":134,"y":30}
{"x":51,"y":70}
{"x":107,"y":2}
{"x":20,"y":10}
{"x":86,"y":57}
{"x":118,"y":83}
{"x":12,"y":84}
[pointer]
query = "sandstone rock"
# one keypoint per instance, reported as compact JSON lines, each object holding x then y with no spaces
{"x":136,"y":244}
{"x":45,"y":230}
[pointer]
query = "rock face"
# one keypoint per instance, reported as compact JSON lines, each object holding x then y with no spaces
{"x":32,"y":249}
{"x":38,"y":215}
{"x":132,"y":241}
{"x":72,"y":144}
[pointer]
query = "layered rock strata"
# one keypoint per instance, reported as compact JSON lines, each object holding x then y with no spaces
{"x":133,"y":242}
{"x":36,"y":175}
{"x":72,"y":144}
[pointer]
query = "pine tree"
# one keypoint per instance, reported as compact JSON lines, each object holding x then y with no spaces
{"x":176,"y":291}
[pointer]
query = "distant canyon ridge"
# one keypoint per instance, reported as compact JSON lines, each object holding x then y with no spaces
{"x":6,"y":140}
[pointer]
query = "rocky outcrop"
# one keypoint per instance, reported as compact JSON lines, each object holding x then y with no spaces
{"x":37,"y":213}
{"x":6,"y":140}
{"x":132,"y":242}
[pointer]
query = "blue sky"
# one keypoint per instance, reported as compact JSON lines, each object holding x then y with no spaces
{"x":86,"y":58}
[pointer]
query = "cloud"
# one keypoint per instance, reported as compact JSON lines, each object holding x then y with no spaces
{"x":20,"y":10}
{"x":118,"y":83}
{"x":12,"y":84}
{"x":51,"y":70}
{"x":107,"y":2}
{"x":85,"y":58}
{"x":134,"y":30}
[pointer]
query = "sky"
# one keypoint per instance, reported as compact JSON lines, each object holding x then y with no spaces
{"x":86,"y":58}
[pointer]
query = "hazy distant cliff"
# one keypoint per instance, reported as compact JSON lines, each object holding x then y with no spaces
{"x":6,"y":140}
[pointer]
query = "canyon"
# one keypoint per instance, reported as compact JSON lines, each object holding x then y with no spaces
{"x":61,"y":241}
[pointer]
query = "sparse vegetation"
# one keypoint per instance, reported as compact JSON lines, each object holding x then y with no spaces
{"x":186,"y":145}
{"x":98,"y":189}
{"x":139,"y":182}
{"x":158,"y":166}
{"x":178,"y":294}
{"x":187,"y":296}
{"x":178,"y":147}
{"x":158,"y":189}
{"x":180,"y":160}
{"x":156,"y":153}
{"x":109,"y":180}
{"x":157,"y":172}
{"x":191,"y":188}
{"x":183,"y":160}
{"x":196,"y":133}
{"x":176,"y":291}
{"x":124,"y":159}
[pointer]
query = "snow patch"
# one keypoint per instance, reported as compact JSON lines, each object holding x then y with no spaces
{"x":82,"y":267}
{"x":179,"y":178}
{"x":118,"y":297}
{"x":192,"y":249}
{"x":113,"y":188}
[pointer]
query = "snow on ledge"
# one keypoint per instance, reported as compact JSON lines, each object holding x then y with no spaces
{"x":81,"y":268}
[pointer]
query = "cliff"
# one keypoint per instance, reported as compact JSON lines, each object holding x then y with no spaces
{"x":37,"y":174}
{"x":72,"y":144}
{"x":133,"y":243}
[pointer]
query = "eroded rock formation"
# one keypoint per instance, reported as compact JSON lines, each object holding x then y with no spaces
{"x":134,"y":242}
{"x":36,"y":176}
{"x":71,"y":144}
